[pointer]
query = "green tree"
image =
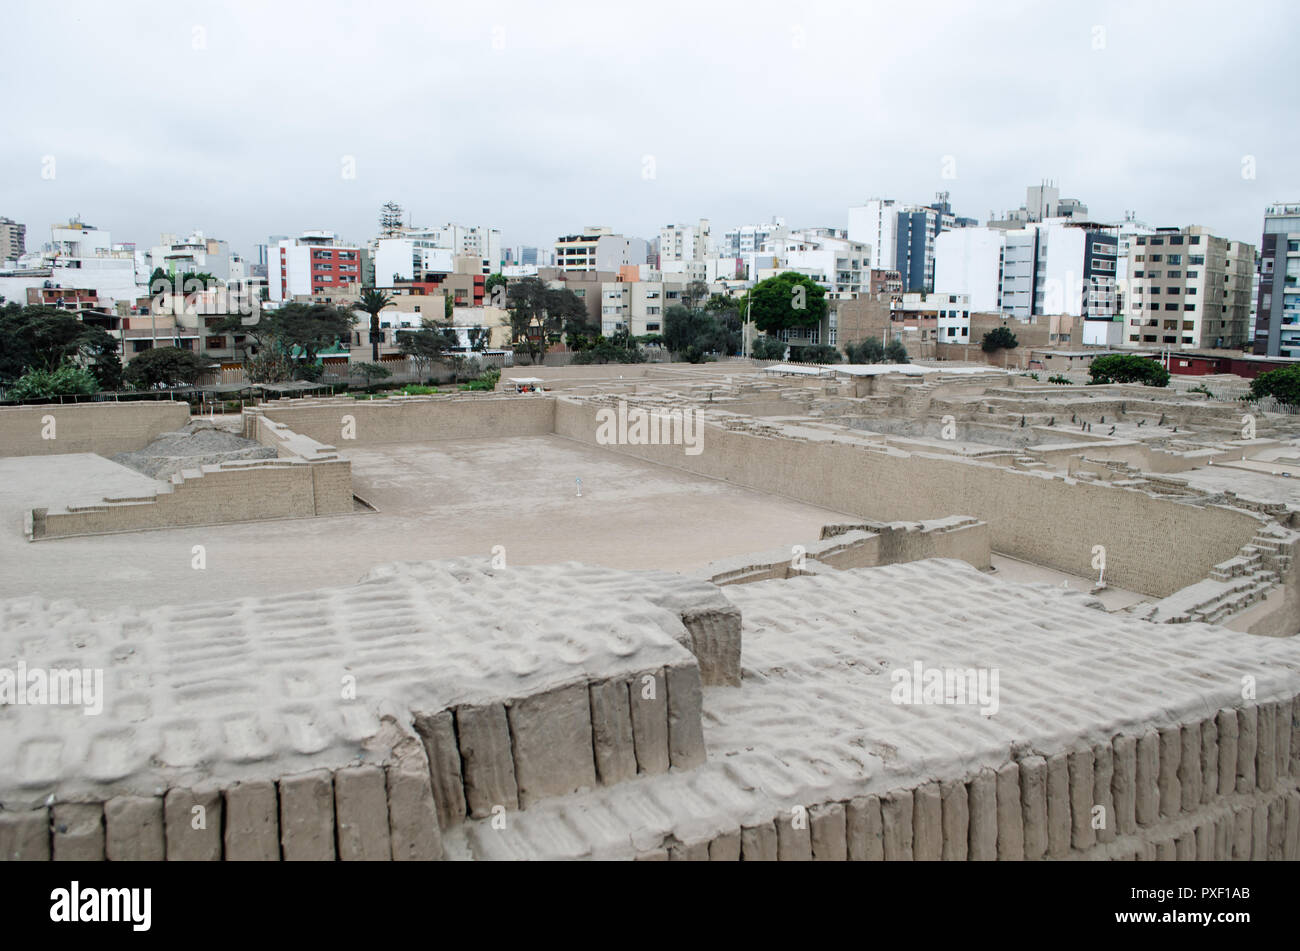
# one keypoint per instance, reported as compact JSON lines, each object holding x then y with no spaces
{"x":373,"y":372}
{"x":494,"y":281}
{"x":427,"y":345}
{"x":45,"y":384}
{"x":896,"y":352}
{"x":819,"y":353}
{"x":1283,"y":385}
{"x":45,"y":338}
{"x":787,"y":301}
{"x":1128,"y":368}
{"x":870,"y":350}
{"x":164,"y":366}
{"x":999,"y":338}
{"x":372,"y":302}
{"x":767,"y":348}
{"x":538,"y":315}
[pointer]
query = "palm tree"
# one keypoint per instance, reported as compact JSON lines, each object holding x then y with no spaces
{"x":372,"y":302}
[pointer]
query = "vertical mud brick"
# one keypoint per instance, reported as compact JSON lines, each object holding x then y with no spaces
{"x":685,"y":726}
{"x":1166,"y":851}
{"x":438,"y":733}
{"x":1265,"y":749}
{"x":758,"y":843}
{"x":252,"y":823}
{"x":611,"y":728}
{"x":688,"y":852}
{"x":1209,"y":760}
{"x":551,"y":739}
{"x":1259,"y":832}
{"x":1124,"y":784}
{"x":1033,"y":801}
{"x":361,"y":810}
{"x":414,"y":834}
{"x":982,"y":797}
{"x":726,"y":847}
{"x":1242,"y":822}
{"x":1247,"y":742}
{"x":927,"y":823}
{"x":715,"y":641}
{"x":865,"y":828}
{"x":192,"y":820}
{"x":307,"y":817}
{"x":1276,"y":829}
{"x":828,"y":824}
{"x":1205,"y":841}
{"x":793,"y":837}
{"x":1171,"y":754}
{"x":1147,"y":801}
{"x":1082,"y":835}
{"x":1227,"y":720}
{"x":896,"y":810}
{"x":25,"y":836}
{"x":648,"y":700}
{"x":133,"y":827}
{"x":1291,"y":848}
{"x":1103,"y":780}
{"x":1224,"y":831}
{"x":1285,"y":711}
{"x":1011,"y":822}
{"x":1059,"y":823}
{"x":956,"y":821}
{"x":487,"y":762}
{"x":78,"y":832}
{"x":1189,"y":767}
{"x":654,"y":855}
{"x":1185,"y":847}
{"x":1295,"y":736}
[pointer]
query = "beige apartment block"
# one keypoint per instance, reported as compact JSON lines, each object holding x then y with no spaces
{"x":1189,"y":290}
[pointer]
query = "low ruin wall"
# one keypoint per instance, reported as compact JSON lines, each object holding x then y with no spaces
{"x":241,"y":491}
{"x":103,"y":428}
{"x":1038,"y":518}
{"x":345,"y":422}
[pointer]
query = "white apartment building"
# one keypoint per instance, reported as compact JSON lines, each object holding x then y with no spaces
{"x":679,"y":243}
{"x":838,"y":264}
{"x":968,"y":261}
{"x":748,"y":239}
{"x":876,"y":224}
{"x":597,"y":248}
{"x":410,"y":258}
{"x":83,"y":256}
{"x":194,"y":252}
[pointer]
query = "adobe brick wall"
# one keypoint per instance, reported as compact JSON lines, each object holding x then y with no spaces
{"x":414,"y":419}
{"x":104,"y":428}
{"x":231,"y":492}
{"x":1040,"y":519}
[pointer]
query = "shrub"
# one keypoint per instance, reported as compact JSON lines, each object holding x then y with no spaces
{"x":870,"y":350}
{"x":896,"y":352}
{"x":1058,"y":378}
{"x":999,"y":338}
{"x":1283,"y":385}
{"x":817,"y":353}
{"x":44,"y":384}
{"x":767,"y":348}
{"x":1128,"y":368}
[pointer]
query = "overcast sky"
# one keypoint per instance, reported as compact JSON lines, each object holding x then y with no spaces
{"x":539,"y":118}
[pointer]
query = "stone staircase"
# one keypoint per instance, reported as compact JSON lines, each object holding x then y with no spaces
{"x":1232,"y":586}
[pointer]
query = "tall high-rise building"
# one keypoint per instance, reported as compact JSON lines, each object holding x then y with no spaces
{"x":13,"y":239}
{"x":1277,"y":312}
